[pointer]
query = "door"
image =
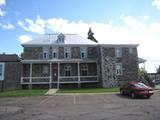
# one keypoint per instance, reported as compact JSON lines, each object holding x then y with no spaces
{"x":54,"y":72}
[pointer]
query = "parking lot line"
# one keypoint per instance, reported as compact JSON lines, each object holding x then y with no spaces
{"x":44,"y":100}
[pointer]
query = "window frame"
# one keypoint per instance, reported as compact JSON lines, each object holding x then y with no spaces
{"x":67,"y":69}
{"x":55,"y":50}
{"x":118,"y":52}
{"x":45,"y":68}
{"x":119,"y":69}
{"x":84,"y":68}
{"x":67,"y":53}
{"x":131,"y":50}
{"x":84,"y":52}
{"x":2,"y":71}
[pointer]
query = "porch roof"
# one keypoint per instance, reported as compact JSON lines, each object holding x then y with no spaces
{"x":60,"y":61}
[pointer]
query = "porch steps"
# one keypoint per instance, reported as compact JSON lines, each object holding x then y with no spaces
{"x":51,"y":92}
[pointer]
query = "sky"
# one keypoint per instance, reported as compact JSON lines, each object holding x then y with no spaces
{"x":112,"y":21}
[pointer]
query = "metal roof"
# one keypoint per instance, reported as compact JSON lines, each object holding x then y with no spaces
{"x":49,"y":39}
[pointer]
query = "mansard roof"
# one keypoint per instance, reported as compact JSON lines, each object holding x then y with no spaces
{"x":53,"y":39}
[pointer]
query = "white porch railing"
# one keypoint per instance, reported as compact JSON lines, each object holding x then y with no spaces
{"x":62,"y":79}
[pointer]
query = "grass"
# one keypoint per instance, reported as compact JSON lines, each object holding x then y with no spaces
{"x":89,"y":90}
{"x":23,"y":93}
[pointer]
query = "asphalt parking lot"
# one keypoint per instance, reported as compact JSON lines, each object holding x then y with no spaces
{"x":80,"y":107}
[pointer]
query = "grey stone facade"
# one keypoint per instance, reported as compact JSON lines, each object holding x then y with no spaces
{"x":104,"y":67}
{"x":12,"y":72}
{"x":129,"y":67}
{"x":33,"y":53}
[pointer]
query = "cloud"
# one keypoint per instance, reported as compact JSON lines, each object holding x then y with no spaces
{"x":2,"y":2}
{"x":156,"y":3}
{"x":37,"y":26}
{"x":7,"y":26}
{"x":131,"y":31}
{"x":24,"y":38}
{"x":2,"y":13}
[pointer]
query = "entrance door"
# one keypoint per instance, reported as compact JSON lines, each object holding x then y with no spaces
{"x":54,"y":72}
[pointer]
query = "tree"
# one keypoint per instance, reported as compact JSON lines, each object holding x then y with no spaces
{"x":90,"y":35}
{"x":144,"y":77}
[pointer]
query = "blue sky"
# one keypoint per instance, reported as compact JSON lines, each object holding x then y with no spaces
{"x":112,"y":21}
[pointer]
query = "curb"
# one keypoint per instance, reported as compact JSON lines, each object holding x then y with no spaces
{"x":109,"y":93}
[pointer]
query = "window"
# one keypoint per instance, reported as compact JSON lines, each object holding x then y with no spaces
{"x":119,"y":69}
{"x":118,"y":52}
{"x":83,"y":53}
{"x":130,"y":50}
{"x":67,"y":70}
{"x":1,"y":71}
{"x":84,"y":70}
{"x":45,"y":69}
{"x":67,"y":53}
{"x":55,"y":53}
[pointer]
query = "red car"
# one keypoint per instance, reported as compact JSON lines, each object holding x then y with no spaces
{"x":135,"y":89}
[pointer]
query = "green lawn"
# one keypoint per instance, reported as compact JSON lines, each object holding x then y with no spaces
{"x":20,"y":93}
{"x":89,"y":90}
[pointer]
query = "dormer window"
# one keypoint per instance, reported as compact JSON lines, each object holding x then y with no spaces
{"x":61,"y":38}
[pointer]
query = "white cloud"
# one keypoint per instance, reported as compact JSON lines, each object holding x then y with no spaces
{"x":132,"y":31}
{"x":2,"y":13}
{"x":24,"y":38}
{"x":2,"y":2}
{"x":29,"y":25}
{"x":7,"y":26}
{"x":156,"y":3}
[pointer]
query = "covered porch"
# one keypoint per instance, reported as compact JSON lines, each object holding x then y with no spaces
{"x":55,"y":73}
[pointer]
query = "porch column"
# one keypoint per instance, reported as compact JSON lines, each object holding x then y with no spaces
{"x":79,"y":79}
{"x":50,"y":80}
{"x":30,"y":77}
{"x":97,"y":71}
{"x":58,"y":75}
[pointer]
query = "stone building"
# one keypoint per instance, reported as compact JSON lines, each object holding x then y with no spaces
{"x":10,"y":72}
{"x":57,"y":60}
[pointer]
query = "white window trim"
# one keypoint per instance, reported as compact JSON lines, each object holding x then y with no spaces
{"x":118,"y":52}
{"x":67,"y":50}
{"x":55,"y":50}
{"x":84,"y":50}
{"x":3,"y":70}
{"x":86,"y":69}
{"x":68,"y":68}
{"x":130,"y":50}
{"x":46,"y":54}
{"x":119,"y":69}
{"x":45,"y":69}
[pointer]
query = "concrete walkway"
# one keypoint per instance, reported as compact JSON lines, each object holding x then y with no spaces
{"x":51,"y":91}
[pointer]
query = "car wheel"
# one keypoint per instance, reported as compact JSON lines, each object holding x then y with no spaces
{"x":148,"y":97}
{"x":132,"y":95}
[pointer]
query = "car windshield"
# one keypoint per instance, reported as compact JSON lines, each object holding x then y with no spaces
{"x":140,"y":85}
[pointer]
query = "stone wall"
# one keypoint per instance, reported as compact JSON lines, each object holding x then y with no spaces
{"x":109,"y":78}
{"x":108,"y":62}
{"x":33,"y":53}
{"x":11,"y":76}
{"x":75,"y":52}
{"x":93,"y":52}
{"x":37,"y":52}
